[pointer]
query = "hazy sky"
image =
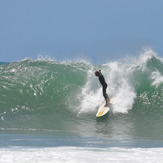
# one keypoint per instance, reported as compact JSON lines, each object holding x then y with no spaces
{"x":99,"y":30}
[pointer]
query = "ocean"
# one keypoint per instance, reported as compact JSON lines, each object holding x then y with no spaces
{"x":48,"y":108}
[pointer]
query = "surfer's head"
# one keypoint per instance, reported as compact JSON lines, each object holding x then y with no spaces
{"x":97,"y":73}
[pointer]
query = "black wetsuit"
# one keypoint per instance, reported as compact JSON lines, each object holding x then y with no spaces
{"x":104,"y":86}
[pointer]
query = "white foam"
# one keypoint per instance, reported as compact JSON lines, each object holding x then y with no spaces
{"x":146,"y":55}
{"x":81,"y":154}
{"x":124,"y":98}
{"x":121,"y":87}
{"x":89,"y":97}
{"x":141,"y":58}
{"x":157,"y":78}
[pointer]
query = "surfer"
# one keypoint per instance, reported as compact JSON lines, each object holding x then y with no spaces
{"x":104,"y":85}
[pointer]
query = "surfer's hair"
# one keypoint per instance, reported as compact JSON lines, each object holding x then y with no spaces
{"x":97,"y":73}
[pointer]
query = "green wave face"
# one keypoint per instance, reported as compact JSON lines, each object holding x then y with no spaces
{"x":35,"y":90}
{"x":42,"y":94}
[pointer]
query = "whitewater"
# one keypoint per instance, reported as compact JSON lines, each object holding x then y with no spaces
{"x":48,"y":108}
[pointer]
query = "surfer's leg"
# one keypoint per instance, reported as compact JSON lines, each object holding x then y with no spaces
{"x":105,"y":94}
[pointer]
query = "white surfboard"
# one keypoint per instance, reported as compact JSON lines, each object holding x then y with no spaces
{"x":103,"y":110}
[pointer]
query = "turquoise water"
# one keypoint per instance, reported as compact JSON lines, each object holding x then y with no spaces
{"x":47,"y":103}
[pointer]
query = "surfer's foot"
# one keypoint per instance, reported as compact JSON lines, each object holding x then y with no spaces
{"x":106,"y":105}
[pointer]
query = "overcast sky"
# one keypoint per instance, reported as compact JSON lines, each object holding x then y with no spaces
{"x":99,"y":30}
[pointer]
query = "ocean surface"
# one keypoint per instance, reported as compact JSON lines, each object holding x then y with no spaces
{"x":48,"y":108}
